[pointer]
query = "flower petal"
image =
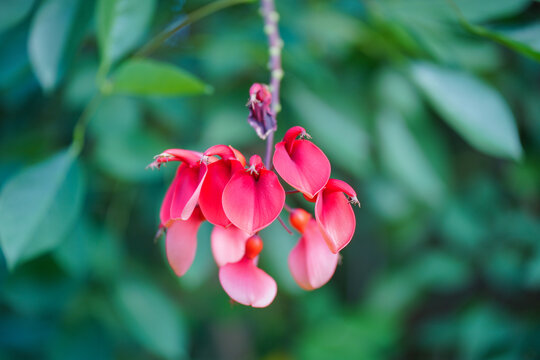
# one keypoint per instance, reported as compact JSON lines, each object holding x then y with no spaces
{"x":311,"y":263}
{"x":228,"y":244}
{"x":187,"y":190}
{"x":165,"y":212}
{"x":252,"y":204}
{"x":219,"y":174}
{"x":305,"y":168}
{"x":181,"y":242}
{"x":336,"y":219}
{"x":246,"y":284}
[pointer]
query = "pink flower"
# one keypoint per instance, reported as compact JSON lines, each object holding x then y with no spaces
{"x":228,"y":244}
{"x":240,"y":201}
{"x":183,"y":194}
{"x":219,"y":173}
{"x":301,"y":163}
{"x":311,"y":263}
{"x":244,"y":282}
{"x":335,"y":215}
{"x":253,"y":198}
{"x":181,"y":242}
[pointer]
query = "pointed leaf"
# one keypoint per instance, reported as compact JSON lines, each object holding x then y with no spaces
{"x":405,"y":160}
{"x":149,"y":77}
{"x":38,"y":206}
{"x":474,"y":109}
{"x":55,"y":30}
{"x":121,"y":25}
{"x":151,"y":318}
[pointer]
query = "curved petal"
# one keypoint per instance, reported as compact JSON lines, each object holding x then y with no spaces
{"x":181,"y":242}
{"x":188,"y":156}
{"x":305,"y":168}
{"x":165,"y":212}
{"x":336,"y":219}
{"x":187,"y":190}
{"x":246,"y":284}
{"x":219,"y":174}
{"x":311,"y":263}
{"x":228,"y":244}
{"x":252,"y":204}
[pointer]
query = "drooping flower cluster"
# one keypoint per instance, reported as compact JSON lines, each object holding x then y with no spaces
{"x":241,"y":198}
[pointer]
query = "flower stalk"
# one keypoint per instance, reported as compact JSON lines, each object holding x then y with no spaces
{"x":275,"y":43}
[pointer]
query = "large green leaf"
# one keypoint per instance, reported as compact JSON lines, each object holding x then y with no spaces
{"x":404,"y":159}
{"x":121,"y":25}
{"x":151,"y":318}
{"x":473,"y":108}
{"x":13,"y":11}
{"x":55,"y":30}
{"x":38,"y":206}
{"x":149,"y":77}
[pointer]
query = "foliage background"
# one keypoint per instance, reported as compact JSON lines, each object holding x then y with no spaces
{"x":417,"y":103}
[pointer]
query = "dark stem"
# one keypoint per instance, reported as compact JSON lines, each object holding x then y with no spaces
{"x":271,"y":17}
{"x":285,"y":226}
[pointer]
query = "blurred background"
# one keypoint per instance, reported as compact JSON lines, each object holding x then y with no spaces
{"x":429,"y":108}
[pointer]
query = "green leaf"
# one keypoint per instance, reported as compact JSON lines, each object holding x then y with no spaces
{"x":149,"y":77}
{"x":405,"y":159}
{"x":151,"y":317}
{"x":38,"y":206}
{"x":121,"y":25}
{"x":125,"y":145}
{"x":55,"y":31}
{"x":13,"y":11}
{"x":339,"y":136}
{"x":474,"y":109}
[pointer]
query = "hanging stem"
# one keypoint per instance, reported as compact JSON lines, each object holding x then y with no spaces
{"x":271,"y":17}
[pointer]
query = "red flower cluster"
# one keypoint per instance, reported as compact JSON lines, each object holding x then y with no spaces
{"x":240,"y":199}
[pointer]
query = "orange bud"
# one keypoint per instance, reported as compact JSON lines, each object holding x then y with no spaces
{"x":254,"y":246}
{"x":299,"y":219}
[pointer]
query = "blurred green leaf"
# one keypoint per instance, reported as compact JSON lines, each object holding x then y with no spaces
{"x":124,"y":145}
{"x":485,"y":330}
{"x":121,"y":24}
{"x":475,"y":110}
{"x":405,"y":160}
{"x":532,"y":276}
{"x":150,"y":77}
{"x":56,"y":28}
{"x":440,"y":271}
{"x":73,"y":254}
{"x":363,"y":336}
{"x":14,"y":62}
{"x":389,"y":200}
{"x":152,"y":318}
{"x":38,"y":206}
{"x":340,"y":137}
{"x":13,"y":11}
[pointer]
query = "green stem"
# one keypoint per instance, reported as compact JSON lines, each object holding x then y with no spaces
{"x":80,"y":127}
{"x":198,"y":14}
